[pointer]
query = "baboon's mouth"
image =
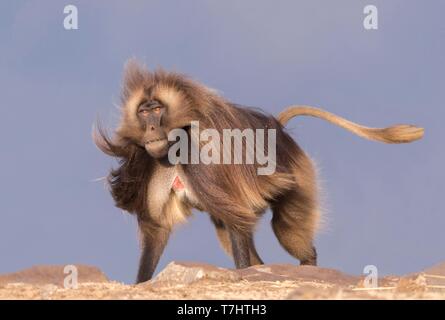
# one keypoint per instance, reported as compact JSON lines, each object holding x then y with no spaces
{"x":157,"y":147}
{"x":155,"y":140}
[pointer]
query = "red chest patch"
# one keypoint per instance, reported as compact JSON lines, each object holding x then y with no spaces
{"x":177,"y":184}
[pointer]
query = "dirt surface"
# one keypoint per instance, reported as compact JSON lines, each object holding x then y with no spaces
{"x":181,"y":280}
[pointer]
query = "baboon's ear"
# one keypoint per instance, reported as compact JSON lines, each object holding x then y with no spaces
{"x":136,"y":75}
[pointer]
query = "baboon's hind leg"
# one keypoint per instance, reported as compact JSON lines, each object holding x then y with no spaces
{"x":294,"y":222}
{"x":224,"y":238}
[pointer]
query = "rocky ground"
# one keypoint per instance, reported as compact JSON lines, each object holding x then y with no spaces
{"x":181,"y":280}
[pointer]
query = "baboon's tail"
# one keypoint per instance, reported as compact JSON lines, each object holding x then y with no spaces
{"x":395,"y":134}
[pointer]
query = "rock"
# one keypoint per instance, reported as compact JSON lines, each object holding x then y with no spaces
{"x":412,"y":284}
{"x":437,"y":270}
{"x":184,"y":280}
{"x":430,"y":278}
{"x":52,"y":274}
{"x":187,"y":272}
{"x":308,"y":292}
{"x":47,"y":291}
{"x":283,"y":272}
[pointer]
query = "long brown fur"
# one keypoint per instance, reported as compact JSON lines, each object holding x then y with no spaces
{"x":233,"y":194}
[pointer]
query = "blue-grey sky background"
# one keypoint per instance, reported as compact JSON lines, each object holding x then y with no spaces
{"x":384,"y":203}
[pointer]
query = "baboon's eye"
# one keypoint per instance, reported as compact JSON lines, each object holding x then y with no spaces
{"x":144,"y":112}
{"x":157,"y":109}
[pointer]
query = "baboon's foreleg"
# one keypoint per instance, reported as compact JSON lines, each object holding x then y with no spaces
{"x":154,"y":240}
{"x":240,"y":248}
{"x":254,"y":256}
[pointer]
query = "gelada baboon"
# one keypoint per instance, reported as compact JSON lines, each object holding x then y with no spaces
{"x":162,"y":194}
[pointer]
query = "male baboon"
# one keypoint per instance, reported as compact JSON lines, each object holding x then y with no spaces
{"x":162,"y":194}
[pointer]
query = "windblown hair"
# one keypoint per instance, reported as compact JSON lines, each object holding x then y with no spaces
{"x":233,"y":193}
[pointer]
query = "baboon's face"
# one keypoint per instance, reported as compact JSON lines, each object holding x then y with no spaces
{"x":150,"y":115}
{"x":150,"y":112}
{"x":154,"y":104}
{"x":146,"y":120}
